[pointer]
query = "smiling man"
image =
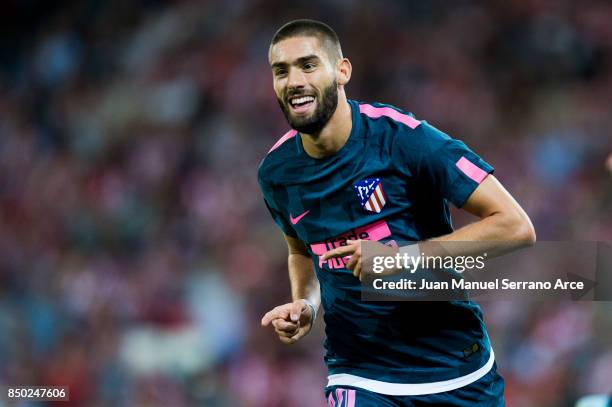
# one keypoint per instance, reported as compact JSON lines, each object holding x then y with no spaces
{"x":349,"y":171}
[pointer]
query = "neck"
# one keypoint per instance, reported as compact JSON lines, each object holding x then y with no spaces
{"x":335,"y":133}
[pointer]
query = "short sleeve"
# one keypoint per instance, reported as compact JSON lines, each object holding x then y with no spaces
{"x":447,"y":165}
{"x":280,"y":220}
{"x":270,"y":195}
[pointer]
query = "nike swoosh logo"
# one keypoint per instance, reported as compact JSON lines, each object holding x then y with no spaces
{"x":295,"y":220}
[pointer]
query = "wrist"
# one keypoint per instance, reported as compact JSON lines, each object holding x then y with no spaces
{"x":411,"y":250}
{"x":410,"y":255}
{"x":313,"y":308}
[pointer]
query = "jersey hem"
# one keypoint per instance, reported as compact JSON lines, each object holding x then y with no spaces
{"x":410,"y":389}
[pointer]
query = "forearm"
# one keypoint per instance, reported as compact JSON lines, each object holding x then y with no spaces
{"x":304,"y":282}
{"x":503,"y":226}
{"x":495,"y":235}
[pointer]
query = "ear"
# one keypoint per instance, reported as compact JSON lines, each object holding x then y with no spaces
{"x":344,"y":70}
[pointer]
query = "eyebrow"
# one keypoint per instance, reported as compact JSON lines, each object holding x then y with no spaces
{"x":298,"y":61}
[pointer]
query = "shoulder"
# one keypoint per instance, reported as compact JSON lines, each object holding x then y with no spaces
{"x":278,"y":154}
{"x":396,"y":126}
{"x":384,"y":114}
{"x":405,"y":136}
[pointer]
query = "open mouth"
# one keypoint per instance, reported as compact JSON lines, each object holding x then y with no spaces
{"x":301,"y":104}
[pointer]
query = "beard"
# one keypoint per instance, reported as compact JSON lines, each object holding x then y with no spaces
{"x":325,"y":108}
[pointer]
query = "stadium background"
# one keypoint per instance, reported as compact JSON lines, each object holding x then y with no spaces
{"x":136,"y":255}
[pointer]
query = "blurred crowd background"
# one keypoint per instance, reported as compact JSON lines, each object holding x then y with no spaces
{"x":136,"y":254}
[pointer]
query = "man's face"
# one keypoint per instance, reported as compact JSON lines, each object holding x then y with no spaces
{"x":304,"y":83}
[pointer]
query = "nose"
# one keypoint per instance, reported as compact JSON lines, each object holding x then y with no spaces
{"x":296,"y":78}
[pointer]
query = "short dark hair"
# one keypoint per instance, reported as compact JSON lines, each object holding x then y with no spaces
{"x":310,"y":28}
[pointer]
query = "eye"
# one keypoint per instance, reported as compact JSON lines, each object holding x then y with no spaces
{"x":280,"y":72}
{"x":309,"y":66}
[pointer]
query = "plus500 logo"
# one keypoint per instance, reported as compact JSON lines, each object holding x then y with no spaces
{"x":374,"y":231}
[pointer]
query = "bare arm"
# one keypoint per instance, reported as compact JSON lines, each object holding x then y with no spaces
{"x":304,"y":283}
{"x":503,"y":226}
{"x":293,"y":320}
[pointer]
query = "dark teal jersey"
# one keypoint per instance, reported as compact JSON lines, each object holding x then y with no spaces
{"x":391,"y":181}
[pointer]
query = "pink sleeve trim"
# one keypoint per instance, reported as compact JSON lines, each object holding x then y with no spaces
{"x":375,"y":112}
{"x":290,"y":134}
{"x":475,"y":173}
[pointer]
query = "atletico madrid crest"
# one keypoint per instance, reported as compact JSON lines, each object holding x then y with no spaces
{"x":371,"y":195}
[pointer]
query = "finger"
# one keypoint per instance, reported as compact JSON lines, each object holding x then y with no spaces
{"x":296,"y":309}
{"x":300,"y":333}
{"x":339,"y":252}
{"x":277,"y":312}
{"x":288,"y":333}
{"x":352,"y":262}
{"x":288,"y":340}
{"x":357,"y":272}
{"x":269,"y":316}
{"x":283,"y":334}
{"x":282,"y":325}
{"x":356,"y":244}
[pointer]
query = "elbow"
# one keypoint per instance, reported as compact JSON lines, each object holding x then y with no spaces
{"x":517,"y":229}
{"x":524,"y":233}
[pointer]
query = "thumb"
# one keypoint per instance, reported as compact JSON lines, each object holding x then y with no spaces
{"x":296,"y":310}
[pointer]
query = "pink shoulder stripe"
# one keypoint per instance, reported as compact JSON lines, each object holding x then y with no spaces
{"x":471,"y":170}
{"x":291,"y":133}
{"x":375,"y":112}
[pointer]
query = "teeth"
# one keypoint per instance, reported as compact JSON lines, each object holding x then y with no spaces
{"x":303,"y":99}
